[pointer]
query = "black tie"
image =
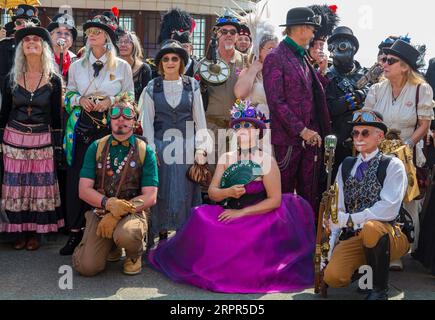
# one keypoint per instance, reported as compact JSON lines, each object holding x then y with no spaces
{"x":97,"y":65}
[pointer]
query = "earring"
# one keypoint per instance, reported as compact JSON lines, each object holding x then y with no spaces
{"x":108,"y":46}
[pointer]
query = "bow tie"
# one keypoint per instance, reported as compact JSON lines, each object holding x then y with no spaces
{"x":125,"y":143}
{"x":97,"y":65}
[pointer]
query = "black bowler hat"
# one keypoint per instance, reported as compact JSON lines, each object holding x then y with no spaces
{"x":104,"y":23}
{"x":404,"y":51}
{"x":172,"y":46}
{"x":344,"y":32}
{"x":37,"y":31}
{"x":302,"y":16}
{"x":63,"y":20}
{"x":368,"y":118}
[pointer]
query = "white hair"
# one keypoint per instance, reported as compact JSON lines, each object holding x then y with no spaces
{"x":110,"y":53}
{"x":20,"y":63}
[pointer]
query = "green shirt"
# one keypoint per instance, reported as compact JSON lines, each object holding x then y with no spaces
{"x":301,"y":51}
{"x":150,"y":177}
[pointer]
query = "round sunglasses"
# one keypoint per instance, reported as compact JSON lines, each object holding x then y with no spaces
{"x":364,"y":133}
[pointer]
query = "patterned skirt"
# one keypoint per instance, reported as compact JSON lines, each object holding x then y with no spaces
{"x":30,"y":191}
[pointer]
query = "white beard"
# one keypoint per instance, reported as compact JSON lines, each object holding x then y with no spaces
{"x":230,"y":47}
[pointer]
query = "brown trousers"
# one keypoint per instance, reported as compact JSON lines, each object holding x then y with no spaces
{"x":349,"y":255}
{"x":90,"y":256}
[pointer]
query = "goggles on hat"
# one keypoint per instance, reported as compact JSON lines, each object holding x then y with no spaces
{"x":365,"y":116}
{"x":227,"y":19}
{"x":342,"y":46}
{"x":28,"y":12}
{"x":316,"y":19}
{"x":118,"y":111}
{"x":241,"y":125}
{"x":66,"y":21}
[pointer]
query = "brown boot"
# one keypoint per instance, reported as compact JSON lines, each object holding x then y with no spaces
{"x":33,"y":243}
{"x":20,"y":243}
{"x":115,"y":254}
{"x":132,"y":267}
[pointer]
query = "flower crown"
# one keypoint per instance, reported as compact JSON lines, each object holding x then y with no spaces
{"x":244,"y":109}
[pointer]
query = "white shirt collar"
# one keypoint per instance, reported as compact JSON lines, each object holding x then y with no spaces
{"x":370,"y":156}
{"x":92,"y":58}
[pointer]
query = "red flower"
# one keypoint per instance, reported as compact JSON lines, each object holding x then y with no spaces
{"x":197,"y":77}
{"x":333,"y":8}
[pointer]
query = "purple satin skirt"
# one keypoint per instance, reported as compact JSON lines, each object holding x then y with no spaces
{"x":265,"y":253}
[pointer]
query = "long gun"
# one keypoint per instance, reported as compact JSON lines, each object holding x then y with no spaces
{"x":327,"y":204}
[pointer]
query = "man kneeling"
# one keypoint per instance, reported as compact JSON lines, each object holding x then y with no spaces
{"x":371,"y":189}
{"x":119,"y":179}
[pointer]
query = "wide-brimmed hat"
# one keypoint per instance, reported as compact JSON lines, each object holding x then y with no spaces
{"x":344,"y":32}
{"x":244,"y":111}
{"x":405,"y":52}
{"x":25,"y":11}
{"x":104,"y":23}
{"x":172,"y":46}
{"x":368,"y":118}
{"x":302,"y":16}
{"x":37,"y":31}
{"x":228,"y":20}
{"x":63,"y":20}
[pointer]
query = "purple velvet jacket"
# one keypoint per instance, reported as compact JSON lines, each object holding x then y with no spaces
{"x":289,"y":97}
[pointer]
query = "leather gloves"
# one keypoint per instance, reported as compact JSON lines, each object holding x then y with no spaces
{"x":119,"y":208}
{"x":107,"y":225}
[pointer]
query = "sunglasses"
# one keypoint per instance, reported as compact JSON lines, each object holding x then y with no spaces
{"x":224,"y":32}
{"x":125,"y":112}
{"x":389,"y":61}
{"x":173,"y":59}
{"x":365,"y":116}
{"x":355,"y":133}
{"x":31,"y":38}
{"x":93,"y":31}
{"x":124,"y":42}
{"x":245,"y":125}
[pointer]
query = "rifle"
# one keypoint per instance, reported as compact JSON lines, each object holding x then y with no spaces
{"x":327,"y":209}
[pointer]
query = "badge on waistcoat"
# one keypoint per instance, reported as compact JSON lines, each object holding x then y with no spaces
{"x":112,"y":77}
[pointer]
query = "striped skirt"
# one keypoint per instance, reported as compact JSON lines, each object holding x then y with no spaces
{"x":30,"y":191}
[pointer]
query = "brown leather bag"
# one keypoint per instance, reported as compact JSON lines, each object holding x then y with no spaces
{"x":199,"y":173}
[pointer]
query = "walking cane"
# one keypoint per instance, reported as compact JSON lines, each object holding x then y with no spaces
{"x":61,"y":44}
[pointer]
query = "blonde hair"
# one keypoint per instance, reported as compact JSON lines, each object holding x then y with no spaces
{"x":411,"y":75}
{"x":110,"y":53}
{"x":20,"y":63}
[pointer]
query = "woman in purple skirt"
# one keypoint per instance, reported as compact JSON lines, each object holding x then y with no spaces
{"x":258,"y":240}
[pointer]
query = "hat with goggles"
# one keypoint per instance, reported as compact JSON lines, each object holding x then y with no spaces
{"x":63,"y":20}
{"x":368,"y":118}
{"x":104,"y":23}
{"x":26,"y":12}
{"x":228,"y":20}
{"x":302,"y":16}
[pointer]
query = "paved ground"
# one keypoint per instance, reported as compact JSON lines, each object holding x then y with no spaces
{"x":34,"y":275}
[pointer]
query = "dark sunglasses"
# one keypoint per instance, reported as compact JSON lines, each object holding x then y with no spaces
{"x":125,"y":112}
{"x":389,"y":61}
{"x":232,"y":32}
{"x":365,"y":116}
{"x":173,"y":59}
{"x":355,"y":133}
{"x":241,"y":125}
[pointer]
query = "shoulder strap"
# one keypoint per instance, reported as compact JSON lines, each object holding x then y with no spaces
{"x":142,"y":149}
{"x":417,"y":100}
{"x":100,"y":146}
{"x":382,"y":169}
{"x":346,"y":167}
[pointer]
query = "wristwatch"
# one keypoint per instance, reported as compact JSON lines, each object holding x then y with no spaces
{"x":104,"y":202}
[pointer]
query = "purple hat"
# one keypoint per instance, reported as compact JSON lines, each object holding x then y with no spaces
{"x":243,"y":111}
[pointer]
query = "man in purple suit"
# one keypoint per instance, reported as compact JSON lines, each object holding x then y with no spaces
{"x":297,"y":103}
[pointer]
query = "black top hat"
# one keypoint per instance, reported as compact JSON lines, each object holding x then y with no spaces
{"x":25,"y":11}
{"x":172,"y":46}
{"x":228,"y":20}
{"x":369,"y":118}
{"x":63,"y":20}
{"x":404,"y":51}
{"x":302,"y":16}
{"x":105,"y":23}
{"x":37,"y":31}
{"x":344,"y":32}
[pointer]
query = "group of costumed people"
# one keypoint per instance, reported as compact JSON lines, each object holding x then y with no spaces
{"x":135,"y":137}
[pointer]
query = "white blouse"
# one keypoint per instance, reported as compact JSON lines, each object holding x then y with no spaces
{"x":107,"y":84}
{"x":173,"y":91}
{"x":401,"y":114}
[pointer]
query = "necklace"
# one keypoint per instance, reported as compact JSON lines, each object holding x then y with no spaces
{"x":32,"y":93}
{"x":120,"y":166}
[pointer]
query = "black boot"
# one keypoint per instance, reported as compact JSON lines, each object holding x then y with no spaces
{"x":73,"y":241}
{"x":378,"y":258}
